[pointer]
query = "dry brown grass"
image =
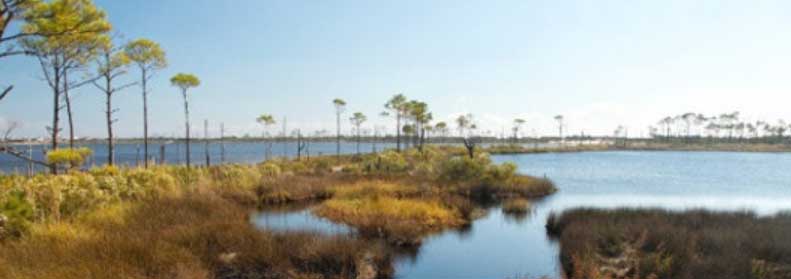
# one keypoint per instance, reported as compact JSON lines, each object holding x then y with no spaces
{"x":199,"y":235}
{"x":400,"y":221}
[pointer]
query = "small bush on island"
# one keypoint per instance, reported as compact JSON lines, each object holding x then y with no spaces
{"x":635,"y":243}
{"x":516,"y":206}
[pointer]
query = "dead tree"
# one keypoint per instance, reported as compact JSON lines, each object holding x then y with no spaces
{"x":6,"y":91}
{"x":470,"y":144}
{"x":10,"y":150}
{"x":301,"y":145}
{"x":110,"y":66}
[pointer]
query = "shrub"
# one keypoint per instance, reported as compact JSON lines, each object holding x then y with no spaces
{"x":386,"y":162}
{"x":16,"y":213}
{"x":80,"y":193}
{"x":499,"y":174}
{"x":74,"y":158}
{"x":148,"y":183}
{"x":464,"y":169}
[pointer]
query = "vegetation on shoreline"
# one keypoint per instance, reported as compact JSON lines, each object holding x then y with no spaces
{"x":180,"y":222}
{"x":634,"y":243}
{"x":638,"y":145}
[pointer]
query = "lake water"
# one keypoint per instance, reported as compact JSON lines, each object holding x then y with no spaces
{"x":503,"y":246}
{"x":235,"y":152}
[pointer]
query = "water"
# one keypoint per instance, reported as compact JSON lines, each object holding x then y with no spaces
{"x":235,"y":152}
{"x":502,"y":246}
{"x":297,"y":218}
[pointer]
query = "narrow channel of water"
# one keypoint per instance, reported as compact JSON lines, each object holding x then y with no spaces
{"x":504,"y":246}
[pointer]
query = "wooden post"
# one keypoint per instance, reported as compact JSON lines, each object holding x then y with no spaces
{"x":285,"y":138}
{"x":30,"y":155}
{"x":162,"y":154}
{"x":137,"y":157}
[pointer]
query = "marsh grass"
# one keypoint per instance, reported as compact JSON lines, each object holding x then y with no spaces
{"x":400,"y":221}
{"x":660,"y":244}
{"x":198,"y":235}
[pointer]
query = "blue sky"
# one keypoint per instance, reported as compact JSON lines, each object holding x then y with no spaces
{"x":600,"y":63}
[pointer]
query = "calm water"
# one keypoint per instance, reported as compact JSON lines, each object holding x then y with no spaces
{"x":235,"y":152}
{"x":500,"y":246}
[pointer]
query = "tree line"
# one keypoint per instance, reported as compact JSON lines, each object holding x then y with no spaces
{"x":730,"y":127}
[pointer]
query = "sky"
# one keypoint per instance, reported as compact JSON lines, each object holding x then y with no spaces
{"x":601,"y":64}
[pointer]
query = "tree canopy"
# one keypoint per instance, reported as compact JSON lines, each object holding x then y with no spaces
{"x":147,"y":54}
{"x":265,"y":119}
{"x":184,"y":81}
{"x":79,"y":25}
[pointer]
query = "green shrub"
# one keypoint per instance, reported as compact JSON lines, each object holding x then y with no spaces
{"x":499,"y":174}
{"x":464,"y":169}
{"x":80,"y":193}
{"x":148,"y":183}
{"x":73,"y":157}
{"x":386,"y":162}
{"x":16,"y":213}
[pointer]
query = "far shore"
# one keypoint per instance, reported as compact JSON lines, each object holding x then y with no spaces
{"x":493,"y":145}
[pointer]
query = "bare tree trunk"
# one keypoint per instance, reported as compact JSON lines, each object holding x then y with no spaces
{"x":5,"y":92}
{"x":69,"y":115}
{"x":145,"y":117}
{"x":358,"y":139}
{"x":109,"y":114}
{"x":398,"y":131}
{"x":162,"y":154}
{"x":470,"y":145}
{"x":222,"y":142}
{"x":55,"y":115}
{"x":206,"y":142}
{"x":422,"y":138}
{"x":375,"y":139}
{"x":338,"y":134}
{"x":186,"y":124}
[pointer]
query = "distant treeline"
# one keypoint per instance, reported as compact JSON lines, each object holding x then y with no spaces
{"x":727,"y":127}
